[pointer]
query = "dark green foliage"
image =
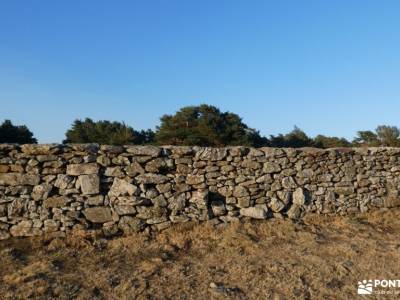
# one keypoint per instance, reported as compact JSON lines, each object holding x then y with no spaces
{"x":322,"y":141}
{"x":366,"y":138}
{"x":145,"y":137}
{"x":257,"y":140}
{"x":10,"y":133}
{"x":388,"y":135}
{"x":297,"y":138}
{"x":106,"y":132}
{"x":205,"y":125}
{"x":383,"y":136}
{"x":202,"y":125}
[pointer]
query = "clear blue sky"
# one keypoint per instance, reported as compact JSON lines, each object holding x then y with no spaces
{"x":329,"y":67}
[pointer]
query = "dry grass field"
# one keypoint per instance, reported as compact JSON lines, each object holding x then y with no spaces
{"x":318,"y":258}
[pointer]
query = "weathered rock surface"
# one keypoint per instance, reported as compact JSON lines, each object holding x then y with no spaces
{"x":41,"y":192}
{"x":89,"y":184}
{"x":14,"y":179}
{"x":56,"y":201}
{"x":60,"y":188}
{"x":37,"y":149}
{"x":213,"y":154}
{"x":294,"y":212}
{"x":134,"y":169}
{"x":152,"y":178}
{"x":254,"y":212}
{"x":276,"y":205}
{"x":131,"y":225}
{"x":144,"y":150}
{"x":82,"y":169}
{"x":98,"y":214}
{"x":24,"y":228}
{"x":299,"y":197}
{"x":120,"y":187}
{"x":63,"y":181}
{"x":194,"y":179}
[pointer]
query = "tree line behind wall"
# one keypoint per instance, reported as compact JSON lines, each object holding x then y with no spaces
{"x":203,"y":125}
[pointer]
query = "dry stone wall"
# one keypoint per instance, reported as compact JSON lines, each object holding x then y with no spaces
{"x":123,"y":189}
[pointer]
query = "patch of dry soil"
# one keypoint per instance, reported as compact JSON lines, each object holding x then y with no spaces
{"x":319,"y":258}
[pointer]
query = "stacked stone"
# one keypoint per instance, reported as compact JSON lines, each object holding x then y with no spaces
{"x":124,"y":189}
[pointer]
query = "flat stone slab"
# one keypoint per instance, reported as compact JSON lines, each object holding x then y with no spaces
{"x":82,"y":169}
{"x":14,"y":179}
{"x":98,"y":214}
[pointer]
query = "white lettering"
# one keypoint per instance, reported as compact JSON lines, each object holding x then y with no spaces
{"x":384,"y":283}
{"x":392,"y":283}
{"x":387,"y":283}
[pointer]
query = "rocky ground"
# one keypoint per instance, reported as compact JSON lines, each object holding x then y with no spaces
{"x":318,"y":258}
